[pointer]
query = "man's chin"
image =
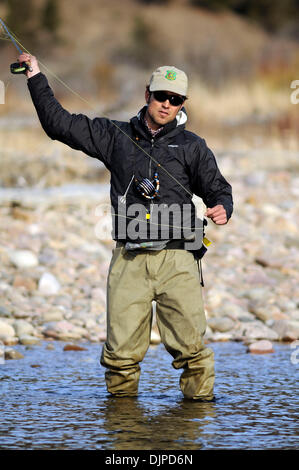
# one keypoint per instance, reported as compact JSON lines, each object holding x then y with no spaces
{"x":162,"y":121}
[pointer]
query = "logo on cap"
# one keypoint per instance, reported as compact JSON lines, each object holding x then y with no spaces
{"x":170,"y":75}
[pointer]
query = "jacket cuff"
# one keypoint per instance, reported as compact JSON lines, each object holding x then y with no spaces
{"x":228,"y":209}
{"x":36,"y":76}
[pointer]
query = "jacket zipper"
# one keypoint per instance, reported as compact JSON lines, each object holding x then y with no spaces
{"x":150,"y":175}
{"x":150,"y":162}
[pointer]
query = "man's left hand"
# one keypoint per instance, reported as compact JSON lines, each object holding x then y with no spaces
{"x":217,"y":214}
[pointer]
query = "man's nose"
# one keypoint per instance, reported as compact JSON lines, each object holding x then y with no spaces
{"x":166,"y":103}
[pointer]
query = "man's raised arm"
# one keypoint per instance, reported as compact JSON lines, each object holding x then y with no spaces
{"x":94,"y":137}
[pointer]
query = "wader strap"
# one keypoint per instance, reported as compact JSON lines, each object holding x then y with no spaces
{"x":200,"y":271}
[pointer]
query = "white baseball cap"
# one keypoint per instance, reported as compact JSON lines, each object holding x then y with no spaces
{"x":169,"y":78}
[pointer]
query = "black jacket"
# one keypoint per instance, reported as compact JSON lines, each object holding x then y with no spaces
{"x":187,"y":165}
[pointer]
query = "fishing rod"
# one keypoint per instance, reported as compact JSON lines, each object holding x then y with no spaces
{"x":21,"y":68}
{"x":16,"y":67}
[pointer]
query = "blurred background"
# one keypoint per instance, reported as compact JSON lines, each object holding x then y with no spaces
{"x":241,"y":57}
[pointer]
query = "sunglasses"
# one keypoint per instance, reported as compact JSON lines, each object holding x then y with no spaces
{"x":174,"y":100}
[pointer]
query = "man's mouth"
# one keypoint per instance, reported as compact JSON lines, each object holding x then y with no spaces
{"x":163,"y":113}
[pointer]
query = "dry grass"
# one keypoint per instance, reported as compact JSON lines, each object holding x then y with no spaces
{"x":239,"y":77}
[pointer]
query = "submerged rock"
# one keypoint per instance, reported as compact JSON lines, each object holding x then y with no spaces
{"x":11,"y":353}
{"x":73,"y":347}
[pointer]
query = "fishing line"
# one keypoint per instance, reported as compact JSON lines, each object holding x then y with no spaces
{"x":10,"y":36}
{"x":18,"y":46}
{"x":16,"y":42}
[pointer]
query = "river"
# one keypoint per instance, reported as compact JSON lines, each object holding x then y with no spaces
{"x":55,"y":399}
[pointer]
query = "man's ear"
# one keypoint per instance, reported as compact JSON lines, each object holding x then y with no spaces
{"x":147,"y":95}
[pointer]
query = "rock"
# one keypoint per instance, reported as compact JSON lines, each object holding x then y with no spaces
{"x":265,"y":313}
{"x":23,"y":327}
{"x":258,"y":330}
{"x":9,"y":340}
{"x":287,"y":330}
{"x":73,"y":347}
{"x":51,"y":317}
{"x":294,"y":328}
{"x":21,"y":314}
{"x":215,"y":297}
{"x":48,"y":257}
{"x":23,"y":259}
{"x":258,"y":294}
{"x":48,"y":284}
{"x":6,"y":329}
{"x":51,"y":333}
{"x":21,"y":214}
{"x":2,"y":347}
{"x":219,"y":336}
{"x":261,"y":347}
{"x":98,"y":337}
{"x":64,"y":331}
{"x":75,"y":334}
{"x":50,"y":346}
{"x":78,"y":321}
{"x":255,"y":178}
{"x":229,"y":310}
{"x":63,"y":301}
{"x":28,"y":339}
{"x":90,"y":323}
{"x":246,"y":317}
{"x":28,"y":283}
{"x":5,"y":312}
{"x":221,"y":324}
{"x":294,"y":315}
{"x":11,"y":353}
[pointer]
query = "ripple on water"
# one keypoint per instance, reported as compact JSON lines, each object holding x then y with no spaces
{"x":63,"y":404}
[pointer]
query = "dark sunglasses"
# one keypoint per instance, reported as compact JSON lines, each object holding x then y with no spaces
{"x":174,"y":100}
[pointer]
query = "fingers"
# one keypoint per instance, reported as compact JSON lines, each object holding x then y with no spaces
{"x":217,"y":214}
{"x":32,"y":63}
{"x":24,"y":57}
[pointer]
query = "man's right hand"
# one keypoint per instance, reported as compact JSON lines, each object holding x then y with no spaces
{"x":32,"y":61}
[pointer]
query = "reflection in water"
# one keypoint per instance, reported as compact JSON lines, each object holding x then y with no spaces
{"x":175,"y":427}
{"x":63,"y":404}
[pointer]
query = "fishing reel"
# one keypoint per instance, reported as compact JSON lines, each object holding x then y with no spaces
{"x":148,"y":189}
{"x":20,"y":67}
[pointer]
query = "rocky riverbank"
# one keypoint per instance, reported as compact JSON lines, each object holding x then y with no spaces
{"x":54,"y":267}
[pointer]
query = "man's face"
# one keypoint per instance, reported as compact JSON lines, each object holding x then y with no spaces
{"x":160,"y":113}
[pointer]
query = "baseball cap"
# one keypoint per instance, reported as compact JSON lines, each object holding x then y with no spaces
{"x":169,"y":78}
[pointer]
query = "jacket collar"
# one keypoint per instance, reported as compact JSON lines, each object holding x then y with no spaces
{"x":172,"y":128}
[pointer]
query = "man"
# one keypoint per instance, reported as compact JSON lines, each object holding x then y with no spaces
{"x":156,"y":166}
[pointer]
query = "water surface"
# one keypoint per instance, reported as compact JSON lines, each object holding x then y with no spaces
{"x":63,"y":403}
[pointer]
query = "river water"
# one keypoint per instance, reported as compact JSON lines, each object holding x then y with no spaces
{"x":55,"y":399}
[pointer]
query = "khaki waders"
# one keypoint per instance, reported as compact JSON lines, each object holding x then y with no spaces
{"x":171,"y":278}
